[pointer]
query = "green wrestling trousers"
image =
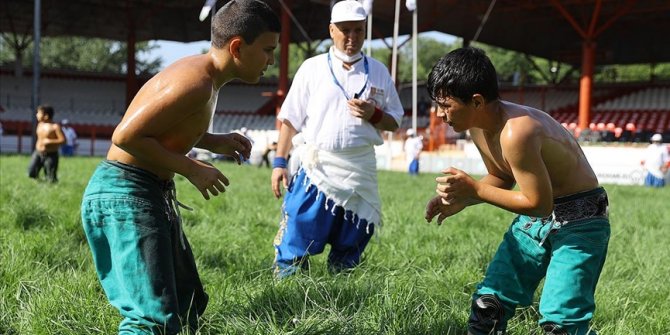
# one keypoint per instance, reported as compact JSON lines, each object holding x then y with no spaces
{"x":568,"y":251}
{"x":142,"y":259}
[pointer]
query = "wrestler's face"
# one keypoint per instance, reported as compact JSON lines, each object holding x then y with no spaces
{"x":454,"y":112}
{"x":348,"y":36}
{"x":257,"y":56}
{"x":41,"y":116}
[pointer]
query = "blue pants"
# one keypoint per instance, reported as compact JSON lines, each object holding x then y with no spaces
{"x":309,"y":222}
{"x":67,"y":150}
{"x":653,"y":181}
{"x":146,"y":270}
{"x":414,"y":167}
{"x":569,"y":256}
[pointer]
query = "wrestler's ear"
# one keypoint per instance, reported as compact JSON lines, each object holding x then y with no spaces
{"x":478,"y":100}
{"x":234,"y":46}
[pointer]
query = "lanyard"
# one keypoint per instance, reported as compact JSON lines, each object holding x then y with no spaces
{"x":367,"y":72}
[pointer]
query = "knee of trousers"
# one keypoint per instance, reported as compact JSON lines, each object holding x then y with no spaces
{"x":486,"y":316}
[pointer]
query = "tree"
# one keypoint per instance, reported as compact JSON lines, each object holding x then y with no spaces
{"x":77,"y":53}
{"x":297,"y":53}
{"x":512,"y":67}
{"x":429,"y":52}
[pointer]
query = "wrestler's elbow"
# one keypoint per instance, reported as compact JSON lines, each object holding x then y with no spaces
{"x":122,"y":139}
{"x":541,"y":208}
{"x":119,"y":139}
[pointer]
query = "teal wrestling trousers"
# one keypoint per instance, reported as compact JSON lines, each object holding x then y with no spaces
{"x":142,"y":258}
{"x":568,"y":250}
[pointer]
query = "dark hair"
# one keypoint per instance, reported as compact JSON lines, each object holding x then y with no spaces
{"x":462,"y":73}
{"x":46,"y":109}
{"x":246,"y":18}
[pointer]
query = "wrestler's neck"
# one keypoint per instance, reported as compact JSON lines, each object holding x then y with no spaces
{"x":347,"y":60}
{"x":492,"y":119}
{"x":223,"y":65}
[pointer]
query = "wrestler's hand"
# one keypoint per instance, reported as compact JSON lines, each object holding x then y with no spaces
{"x":233,"y":145}
{"x":361,"y":108}
{"x":456,"y":186}
{"x":436,"y":207}
{"x":206,"y":178}
{"x":279,"y":175}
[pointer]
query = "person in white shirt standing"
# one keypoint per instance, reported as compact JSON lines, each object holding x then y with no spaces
{"x":413,"y":147}
{"x":656,"y":162}
{"x":70,"y":146}
{"x":339,"y":102}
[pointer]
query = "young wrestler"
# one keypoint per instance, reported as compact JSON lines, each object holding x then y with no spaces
{"x":130,"y":212}
{"x":49,"y":138}
{"x":562,"y":229}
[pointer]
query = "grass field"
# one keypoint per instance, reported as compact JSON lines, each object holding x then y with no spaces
{"x":416,"y":278}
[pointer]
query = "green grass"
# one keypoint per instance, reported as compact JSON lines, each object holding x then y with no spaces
{"x":416,"y":278}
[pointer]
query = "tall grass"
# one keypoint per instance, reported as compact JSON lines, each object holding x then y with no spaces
{"x":415,"y":278}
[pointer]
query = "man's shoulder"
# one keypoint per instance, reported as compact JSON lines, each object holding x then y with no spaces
{"x":374,"y":62}
{"x":379,"y":69}
{"x":312,"y":61}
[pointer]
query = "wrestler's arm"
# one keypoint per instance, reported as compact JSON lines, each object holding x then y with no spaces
{"x":280,"y":175}
{"x":455,"y":189}
{"x":494,"y":176}
{"x":521,"y":146}
{"x":60,"y":137}
{"x":232,"y":144}
{"x":153,"y":114}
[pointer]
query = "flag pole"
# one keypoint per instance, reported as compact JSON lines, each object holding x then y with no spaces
{"x":37,"y":37}
{"x":415,"y":37}
{"x":367,"y":4}
{"x":394,"y":54}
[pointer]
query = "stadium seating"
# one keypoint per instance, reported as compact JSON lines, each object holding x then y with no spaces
{"x":95,"y":103}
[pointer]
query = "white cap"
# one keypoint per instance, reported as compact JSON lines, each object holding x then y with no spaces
{"x":348,"y":10}
{"x":657,"y":138}
{"x":410,"y":132}
{"x":65,"y":121}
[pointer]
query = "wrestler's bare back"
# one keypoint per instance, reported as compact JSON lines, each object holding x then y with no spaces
{"x":173,"y":108}
{"x":566,"y":164}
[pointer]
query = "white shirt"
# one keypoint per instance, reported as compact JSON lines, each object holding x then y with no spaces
{"x":413,"y":146}
{"x":70,"y":135}
{"x":655,"y":157}
{"x":316,"y":106}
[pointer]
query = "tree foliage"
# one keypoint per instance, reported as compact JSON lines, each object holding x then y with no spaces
{"x":98,"y":55}
{"x":297,"y":53}
{"x":513,"y":67}
{"x":78,"y":53}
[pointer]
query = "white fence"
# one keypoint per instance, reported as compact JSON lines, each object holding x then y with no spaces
{"x":612,"y":164}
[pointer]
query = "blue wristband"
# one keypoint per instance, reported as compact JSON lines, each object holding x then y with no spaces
{"x":279,"y":162}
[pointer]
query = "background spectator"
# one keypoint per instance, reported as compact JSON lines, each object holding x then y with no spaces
{"x":70,"y":146}
{"x":656,"y":162}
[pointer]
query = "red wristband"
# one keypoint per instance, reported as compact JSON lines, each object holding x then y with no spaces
{"x":376,"y":116}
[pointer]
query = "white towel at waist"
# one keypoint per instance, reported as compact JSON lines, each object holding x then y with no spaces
{"x":347,"y":177}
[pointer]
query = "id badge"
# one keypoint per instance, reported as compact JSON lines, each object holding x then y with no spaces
{"x":377,"y":96}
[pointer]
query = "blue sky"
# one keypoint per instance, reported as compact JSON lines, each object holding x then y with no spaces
{"x":172,"y":51}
